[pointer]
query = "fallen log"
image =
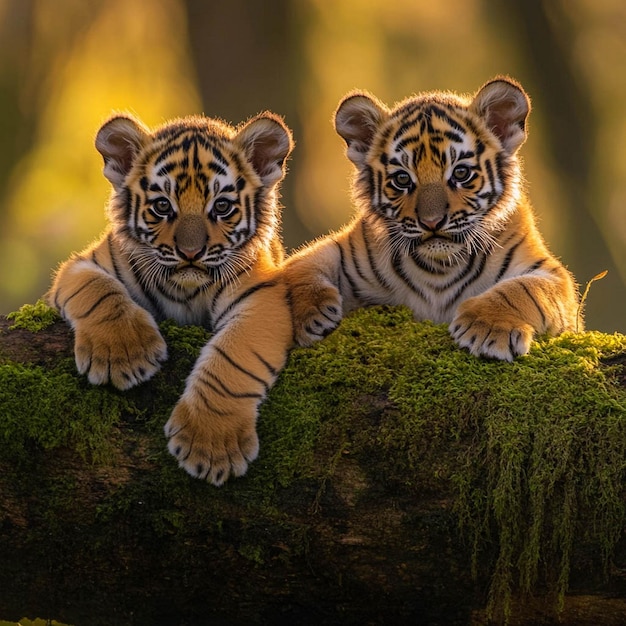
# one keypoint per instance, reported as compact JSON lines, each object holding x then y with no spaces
{"x":400,"y":480}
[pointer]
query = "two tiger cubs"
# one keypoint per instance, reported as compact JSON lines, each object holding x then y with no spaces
{"x":442,"y":226}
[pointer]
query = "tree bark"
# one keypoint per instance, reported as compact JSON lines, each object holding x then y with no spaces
{"x":100,"y":527}
{"x":248,"y":58}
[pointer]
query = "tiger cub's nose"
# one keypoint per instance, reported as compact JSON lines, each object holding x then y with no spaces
{"x":190,"y":237}
{"x":190,"y":254}
{"x":432,"y":224}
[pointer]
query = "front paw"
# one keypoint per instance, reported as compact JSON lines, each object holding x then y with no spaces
{"x":208,"y":443}
{"x":317,"y":311}
{"x":501,"y":337}
{"x":124,"y":351}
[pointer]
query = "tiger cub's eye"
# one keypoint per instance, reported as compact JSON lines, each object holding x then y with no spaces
{"x":162,"y":206}
{"x":223,"y":207}
{"x":461,"y":173}
{"x":402,"y":180}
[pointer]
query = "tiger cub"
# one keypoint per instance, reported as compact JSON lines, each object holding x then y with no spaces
{"x":443,"y":225}
{"x":194,"y":238}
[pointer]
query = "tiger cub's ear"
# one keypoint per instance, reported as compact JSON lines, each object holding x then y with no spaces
{"x":356,"y":121}
{"x":504,"y":106}
{"x":118,"y":141}
{"x":267,"y":142}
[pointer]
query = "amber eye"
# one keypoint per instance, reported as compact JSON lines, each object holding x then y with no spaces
{"x":461,"y":173}
{"x":402,"y":180}
{"x":223,"y":207}
{"x":162,"y":207}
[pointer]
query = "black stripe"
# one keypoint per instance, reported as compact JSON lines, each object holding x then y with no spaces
{"x":407,"y":140}
{"x":220,"y":290}
{"x":355,"y":262}
{"x":241,"y":368}
{"x":165,"y":152}
{"x":244,"y":296}
{"x":272,"y":370}
{"x":508,"y":258}
{"x":379,"y":188}
{"x":490,"y":175}
{"x":344,"y":270}
{"x":219,"y":155}
{"x":445,"y":115}
{"x":227,"y":390}
{"x":148,"y":294}
{"x":502,"y":294}
{"x":113,"y":254}
{"x":183,"y":298}
{"x":396,"y":264}
{"x":535,"y":266}
{"x":428,"y":268}
{"x":136,"y":210}
{"x":209,"y":405}
{"x":534,"y":301}
{"x":167,"y":168}
{"x":372,"y":260}
{"x":75,"y":293}
{"x":248,"y":211}
{"x":217,"y":168}
{"x":97,"y":303}
{"x":469,"y":281}
{"x":402,"y":128}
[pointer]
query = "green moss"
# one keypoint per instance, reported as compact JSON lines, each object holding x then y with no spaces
{"x":34,"y":317}
{"x":540,"y":444}
{"x":533,"y":453}
{"x":51,"y":409}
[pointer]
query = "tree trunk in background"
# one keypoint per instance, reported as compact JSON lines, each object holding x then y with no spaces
{"x":542,"y":33}
{"x":30,"y":56}
{"x":17,"y":113}
{"x":248,"y":59}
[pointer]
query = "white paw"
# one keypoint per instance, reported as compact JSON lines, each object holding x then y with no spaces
{"x":495,"y":340}
{"x":317,"y":311}
{"x":208,"y":445}
{"x":125,"y":351}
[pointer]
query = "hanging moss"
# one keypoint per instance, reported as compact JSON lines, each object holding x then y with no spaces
{"x":540,"y":443}
{"x":529,"y":451}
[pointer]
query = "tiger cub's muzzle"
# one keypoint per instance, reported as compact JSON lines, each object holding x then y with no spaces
{"x":190,"y":237}
{"x":432,"y":206}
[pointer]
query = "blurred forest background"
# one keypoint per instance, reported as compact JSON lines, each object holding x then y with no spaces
{"x":65,"y":65}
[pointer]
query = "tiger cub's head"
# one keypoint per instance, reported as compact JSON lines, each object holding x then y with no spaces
{"x":438,"y":171}
{"x":194,"y":200}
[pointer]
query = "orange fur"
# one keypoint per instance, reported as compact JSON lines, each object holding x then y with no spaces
{"x":194,"y":238}
{"x":443,"y":225}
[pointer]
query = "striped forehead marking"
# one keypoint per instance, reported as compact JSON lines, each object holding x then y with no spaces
{"x":431,"y":131}
{"x":192,"y":160}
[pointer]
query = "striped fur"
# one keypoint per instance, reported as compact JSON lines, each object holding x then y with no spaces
{"x":193,"y":238}
{"x":443,"y":225}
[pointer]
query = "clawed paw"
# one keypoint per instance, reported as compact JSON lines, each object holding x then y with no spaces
{"x":208,"y":445}
{"x":496,"y":339}
{"x":317,"y":311}
{"x":125,"y":351}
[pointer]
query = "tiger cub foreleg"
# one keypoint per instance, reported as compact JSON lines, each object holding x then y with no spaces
{"x":314,"y":295}
{"x":116,"y":340}
{"x":501,"y":322}
{"x":212,"y":430}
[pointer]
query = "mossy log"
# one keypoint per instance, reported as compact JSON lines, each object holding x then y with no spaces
{"x":400,"y":480}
